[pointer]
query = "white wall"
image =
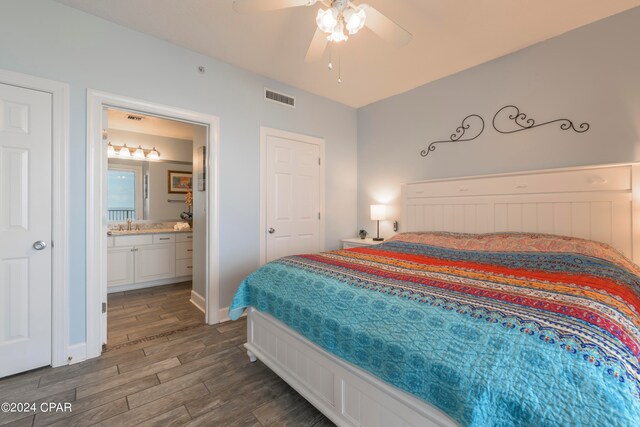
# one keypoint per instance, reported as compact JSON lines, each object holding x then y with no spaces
{"x":588,"y":75}
{"x":46,"y":39}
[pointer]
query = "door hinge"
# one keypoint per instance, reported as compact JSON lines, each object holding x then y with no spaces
{"x":104,"y":307}
{"x":318,"y":161}
{"x":318,"y":215}
{"x":52,"y":245}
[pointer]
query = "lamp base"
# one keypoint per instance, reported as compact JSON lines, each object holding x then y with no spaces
{"x":377,"y":239}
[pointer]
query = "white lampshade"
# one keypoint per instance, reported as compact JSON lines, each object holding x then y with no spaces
{"x":378,"y":212}
{"x":326,"y":20}
{"x":338,"y":34}
{"x":124,"y":151}
{"x":355,"y":20}
{"x":139,"y":153}
{"x":111,"y":152}
{"x":153,"y":154}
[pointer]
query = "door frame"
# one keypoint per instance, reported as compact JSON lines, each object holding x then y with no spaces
{"x":60,"y":348}
{"x":96,"y":236}
{"x":264,"y":133}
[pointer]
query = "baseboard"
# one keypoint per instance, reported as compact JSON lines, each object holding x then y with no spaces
{"x":77,"y":353}
{"x":198,"y":300}
{"x":223,"y":315}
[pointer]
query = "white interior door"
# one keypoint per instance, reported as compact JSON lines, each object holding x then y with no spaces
{"x":292,"y":197}
{"x":25,"y":229}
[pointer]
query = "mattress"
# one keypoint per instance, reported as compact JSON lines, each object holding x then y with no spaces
{"x":499,"y":329}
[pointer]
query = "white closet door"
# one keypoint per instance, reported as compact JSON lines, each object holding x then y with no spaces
{"x":25,"y":229}
{"x":292,"y":197}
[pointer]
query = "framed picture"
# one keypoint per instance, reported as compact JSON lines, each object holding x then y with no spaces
{"x":179,"y":181}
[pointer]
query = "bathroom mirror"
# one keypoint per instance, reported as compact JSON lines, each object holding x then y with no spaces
{"x":146,"y":190}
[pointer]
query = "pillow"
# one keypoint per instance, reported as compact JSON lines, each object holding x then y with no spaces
{"x":520,"y":242}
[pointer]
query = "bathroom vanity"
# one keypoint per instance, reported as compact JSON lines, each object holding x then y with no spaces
{"x":145,"y":258}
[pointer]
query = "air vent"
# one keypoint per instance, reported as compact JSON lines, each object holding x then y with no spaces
{"x":136,"y":118}
{"x":280,"y":98}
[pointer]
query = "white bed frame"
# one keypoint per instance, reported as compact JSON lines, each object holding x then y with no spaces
{"x":601,"y":203}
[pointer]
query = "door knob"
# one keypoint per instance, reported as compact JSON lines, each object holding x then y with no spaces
{"x":271,"y":230}
{"x":39,"y":245}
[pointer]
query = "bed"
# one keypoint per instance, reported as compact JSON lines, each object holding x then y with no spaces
{"x":515,"y":325}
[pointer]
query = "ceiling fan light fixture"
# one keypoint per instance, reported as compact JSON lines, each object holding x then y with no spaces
{"x":355,"y":19}
{"x":338,"y":34}
{"x":327,"y":20}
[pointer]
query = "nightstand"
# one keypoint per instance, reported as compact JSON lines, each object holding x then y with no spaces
{"x":357,"y":242}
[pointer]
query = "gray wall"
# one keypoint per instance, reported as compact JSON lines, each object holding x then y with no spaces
{"x":46,"y":39}
{"x":157,"y":206}
{"x":588,"y":75}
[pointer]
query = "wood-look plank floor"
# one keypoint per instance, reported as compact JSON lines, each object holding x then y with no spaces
{"x":157,"y":373}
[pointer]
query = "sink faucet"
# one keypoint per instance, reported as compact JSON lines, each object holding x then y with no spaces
{"x":129,"y":224}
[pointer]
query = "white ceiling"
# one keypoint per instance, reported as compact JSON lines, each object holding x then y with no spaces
{"x":448,"y":36}
{"x":150,"y":125}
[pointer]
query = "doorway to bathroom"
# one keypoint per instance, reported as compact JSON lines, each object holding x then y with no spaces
{"x":156,"y":185}
{"x":152,"y":221}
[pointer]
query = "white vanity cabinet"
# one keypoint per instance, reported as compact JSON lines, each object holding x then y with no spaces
{"x":120,"y":266}
{"x":142,"y":260}
{"x":184,"y":254}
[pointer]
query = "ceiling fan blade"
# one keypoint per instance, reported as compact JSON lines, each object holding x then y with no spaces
{"x":385,"y":27}
{"x":251,"y":6}
{"x":317,"y":46}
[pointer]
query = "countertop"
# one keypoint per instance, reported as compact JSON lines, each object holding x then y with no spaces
{"x":146,"y":231}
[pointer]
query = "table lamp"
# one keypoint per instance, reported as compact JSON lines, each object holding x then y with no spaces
{"x":378,"y":213}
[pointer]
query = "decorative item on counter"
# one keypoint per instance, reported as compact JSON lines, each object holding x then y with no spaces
{"x":188,"y":216}
{"x":181,"y":226}
{"x":363,"y":234}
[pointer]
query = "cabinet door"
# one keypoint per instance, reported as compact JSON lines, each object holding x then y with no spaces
{"x":120,"y":266}
{"x":155,"y":262}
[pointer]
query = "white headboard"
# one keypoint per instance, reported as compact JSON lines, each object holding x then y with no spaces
{"x":600,"y":203}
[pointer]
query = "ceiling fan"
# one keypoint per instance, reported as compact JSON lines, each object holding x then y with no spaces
{"x":340,"y":17}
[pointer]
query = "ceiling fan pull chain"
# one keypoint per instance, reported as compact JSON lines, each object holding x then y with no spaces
{"x":339,"y":69}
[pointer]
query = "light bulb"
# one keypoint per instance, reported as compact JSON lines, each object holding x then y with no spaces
{"x":330,"y":66}
{"x":326,"y":20}
{"x":139,"y":153}
{"x":111,"y":152}
{"x":355,"y":20}
{"x":338,"y":34}
{"x":124,"y":151}
{"x":153,"y":154}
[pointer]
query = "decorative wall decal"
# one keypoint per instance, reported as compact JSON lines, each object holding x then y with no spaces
{"x":472,"y":121}
{"x":513,"y":114}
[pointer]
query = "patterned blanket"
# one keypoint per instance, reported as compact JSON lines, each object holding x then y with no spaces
{"x":500,"y":329}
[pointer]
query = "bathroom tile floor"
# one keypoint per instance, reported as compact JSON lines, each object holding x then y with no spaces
{"x":145,"y":313}
{"x":181,"y":372}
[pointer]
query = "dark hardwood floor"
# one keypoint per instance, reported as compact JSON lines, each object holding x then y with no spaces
{"x":162,"y":367}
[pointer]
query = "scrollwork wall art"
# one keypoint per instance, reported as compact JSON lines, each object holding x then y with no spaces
{"x":472,"y":126}
{"x":512,"y":114}
{"x":472,"y":122}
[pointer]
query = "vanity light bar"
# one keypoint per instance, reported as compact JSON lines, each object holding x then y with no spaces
{"x":124,"y":152}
